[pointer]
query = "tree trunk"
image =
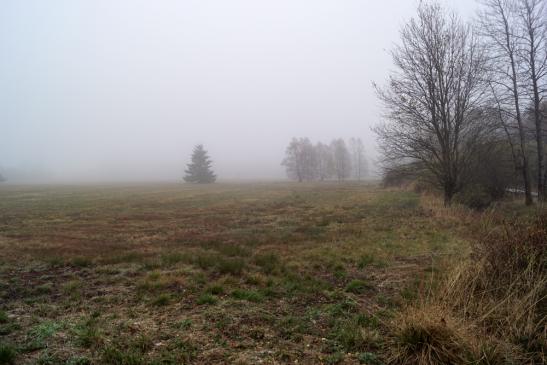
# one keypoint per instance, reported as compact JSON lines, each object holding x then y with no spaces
{"x":515,"y":91}
{"x":537,"y":116}
{"x":527,"y":186}
{"x":525,"y":167}
{"x":541,"y":164}
{"x":448,"y":195}
{"x":545,"y":185}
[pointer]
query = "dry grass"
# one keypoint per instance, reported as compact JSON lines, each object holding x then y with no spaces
{"x":249,"y":273}
{"x":489,"y":309}
{"x":171,"y":274}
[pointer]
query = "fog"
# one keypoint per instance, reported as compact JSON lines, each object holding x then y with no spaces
{"x":123,"y":90}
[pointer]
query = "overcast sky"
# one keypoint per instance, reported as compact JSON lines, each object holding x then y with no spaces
{"x":123,"y":89}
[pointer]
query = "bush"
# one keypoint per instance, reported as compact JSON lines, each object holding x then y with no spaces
{"x":475,"y":197}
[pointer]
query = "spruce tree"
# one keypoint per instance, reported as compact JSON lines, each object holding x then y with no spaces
{"x":199,"y":170}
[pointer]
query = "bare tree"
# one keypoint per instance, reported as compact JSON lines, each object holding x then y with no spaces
{"x":300,"y":160}
{"x":359,"y":162}
{"x":325,"y":161}
{"x":342,"y":159}
{"x":432,"y":117}
{"x":532,"y":18}
{"x":503,"y":44}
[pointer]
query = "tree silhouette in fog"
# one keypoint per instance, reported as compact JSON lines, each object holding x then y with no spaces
{"x":199,"y":170}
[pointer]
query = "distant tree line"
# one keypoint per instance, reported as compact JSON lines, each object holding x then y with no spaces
{"x":305,"y":161}
{"x":465,"y":108}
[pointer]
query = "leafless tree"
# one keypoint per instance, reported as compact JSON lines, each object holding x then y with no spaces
{"x":503,"y":42}
{"x":359,"y":162}
{"x":300,"y":160}
{"x":532,"y":21}
{"x":432,"y":118}
{"x":325,"y":161}
{"x":342,"y":159}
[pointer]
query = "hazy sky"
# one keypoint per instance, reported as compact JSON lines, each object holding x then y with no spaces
{"x":123,"y":89}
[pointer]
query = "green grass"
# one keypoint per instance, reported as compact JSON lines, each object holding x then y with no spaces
{"x":227,"y":273}
{"x":249,"y":295}
{"x":161,"y":300}
{"x":357,"y":286}
{"x":8,"y":353}
{"x":206,"y":299}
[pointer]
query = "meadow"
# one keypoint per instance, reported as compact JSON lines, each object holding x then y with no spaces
{"x":226,"y":273}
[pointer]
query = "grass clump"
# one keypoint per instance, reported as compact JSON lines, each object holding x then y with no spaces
{"x":87,"y":333}
{"x":206,"y":298}
{"x":81,"y":262}
{"x":365,"y":260}
{"x":347,"y":335}
{"x":490,"y":309}
{"x":8,"y":353}
{"x":173,"y":258}
{"x":249,"y":295}
{"x":112,"y":355}
{"x":78,"y":360}
{"x":369,"y":358}
{"x":428,"y":335}
{"x":215,"y":289}
{"x":233,"y":250}
{"x":269,"y":262}
{"x":161,"y":300}
{"x":39,"y":335}
{"x":232,"y":266}
{"x":357,"y":286}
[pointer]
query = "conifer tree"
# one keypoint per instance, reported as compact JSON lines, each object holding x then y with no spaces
{"x":199,"y":170}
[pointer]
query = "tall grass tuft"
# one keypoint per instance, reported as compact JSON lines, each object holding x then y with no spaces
{"x":490,"y":309}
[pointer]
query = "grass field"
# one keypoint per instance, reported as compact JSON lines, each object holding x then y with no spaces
{"x":244,"y":274}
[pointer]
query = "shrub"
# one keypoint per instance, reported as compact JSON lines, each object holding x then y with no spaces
{"x":475,"y":197}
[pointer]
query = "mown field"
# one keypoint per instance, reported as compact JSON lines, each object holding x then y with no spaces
{"x":242,"y":274}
